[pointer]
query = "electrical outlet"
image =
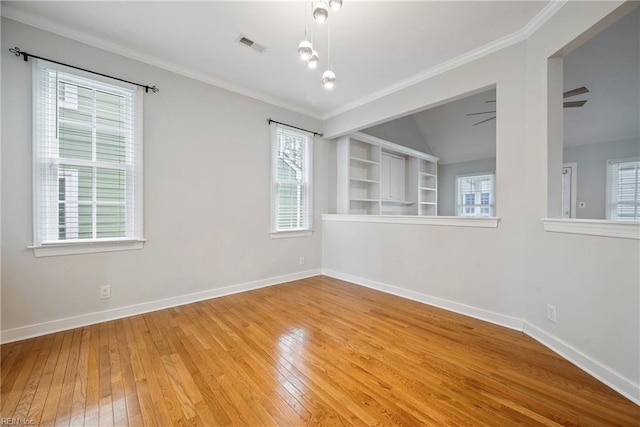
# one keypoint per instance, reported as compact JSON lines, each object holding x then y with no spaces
{"x":105,"y":291}
{"x":551,"y":313}
{"x":301,"y":260}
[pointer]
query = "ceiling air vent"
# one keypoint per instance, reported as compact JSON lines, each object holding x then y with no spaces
{"x":251,"y":44}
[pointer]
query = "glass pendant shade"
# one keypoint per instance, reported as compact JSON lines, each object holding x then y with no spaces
{"x":320,"y":12}
{"x":328,"y":79}
{"x":313,"y":60}
{"x":305,"y":50}
{"x":335,"y":4}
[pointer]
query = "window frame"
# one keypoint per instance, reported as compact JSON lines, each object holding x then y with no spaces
{"x":134,"y":238}
{"x":609,"y":212}
{"x":307,"y":230}
{"x":478,"y":207}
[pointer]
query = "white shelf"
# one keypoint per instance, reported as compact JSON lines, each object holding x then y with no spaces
{"x":369,"y":162}
{"x":377,"y":177}
{"x":372,"y":181}
{"x":397,"y":202}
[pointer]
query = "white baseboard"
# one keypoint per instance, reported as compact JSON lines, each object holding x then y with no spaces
{"x":622,"y":385}
{"x":467,"y":310}
{"x":44,"y":328}
{"x":619,"y":383}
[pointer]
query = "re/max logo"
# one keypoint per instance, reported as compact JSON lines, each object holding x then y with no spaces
{"x":17,"y":422}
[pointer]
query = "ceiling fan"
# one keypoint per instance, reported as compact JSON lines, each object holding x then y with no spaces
{"x":572,"y":93}
{"x":567,"y":104}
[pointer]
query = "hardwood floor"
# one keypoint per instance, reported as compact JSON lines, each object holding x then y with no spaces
{"x":317,"y":351}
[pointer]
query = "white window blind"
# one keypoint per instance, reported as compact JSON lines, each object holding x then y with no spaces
{"x":291,"y":176}
{"x":623,"y":190}
{"x":87,"y":158}
{"x":475,"y":195}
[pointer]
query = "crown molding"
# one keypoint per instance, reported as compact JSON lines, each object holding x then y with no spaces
{"x":543,"y":16}
{"x":532,"y":26}
{"x":32,"y":20}
{"x":463,"y":59}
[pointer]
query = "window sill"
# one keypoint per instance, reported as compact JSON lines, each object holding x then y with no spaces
{"x":289,"y":234}
{"x":451,"y":221}
{"x":593,"y":227}
{"x":86,"y":248}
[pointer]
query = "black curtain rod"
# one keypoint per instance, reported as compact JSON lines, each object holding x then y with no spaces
{"x":17,"y":52}
{"x":295,"y":127}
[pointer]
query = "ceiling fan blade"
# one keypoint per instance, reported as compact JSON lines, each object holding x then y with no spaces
{"x":574,"y":92}
{"x":485,"y":120}
{"x":481,"y":112}
{"x":573,"y":104}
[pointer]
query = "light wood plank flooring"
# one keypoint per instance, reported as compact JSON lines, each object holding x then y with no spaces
{"x":312,"y":352}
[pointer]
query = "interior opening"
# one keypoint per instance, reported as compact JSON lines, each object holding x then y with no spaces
{"x":594,"y":117}
{"x":462,"y":135}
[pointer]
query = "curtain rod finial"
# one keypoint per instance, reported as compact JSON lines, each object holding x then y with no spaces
{"x":17,"y":52}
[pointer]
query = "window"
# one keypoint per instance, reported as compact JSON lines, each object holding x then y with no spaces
{"x":87,"y":163}
{"x":475,"y":195}
{"x":292,"y":152}
{"x":623,"y":190}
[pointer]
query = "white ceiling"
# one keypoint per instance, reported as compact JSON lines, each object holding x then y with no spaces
{"x":376,"y":45}
{"x":608,"y":65}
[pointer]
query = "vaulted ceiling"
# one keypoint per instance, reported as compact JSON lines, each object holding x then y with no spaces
{"x":376,"y":46}
{"x":608,"y":65}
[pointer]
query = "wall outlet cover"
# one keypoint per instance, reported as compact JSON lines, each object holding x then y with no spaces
{"x":105,"y":291}
{"x":551,"y":313}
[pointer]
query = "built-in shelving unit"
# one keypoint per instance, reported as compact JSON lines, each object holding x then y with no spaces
{"x":378,"y":177}
{"x":427,"y":188}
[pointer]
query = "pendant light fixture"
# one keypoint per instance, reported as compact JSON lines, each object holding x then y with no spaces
{"x":313,"y":60}
{"x":335,"y":4}
{"x":321,"y":12}
{"x":306,"y":51}
{"x":305,"y":48}
{"x":328,"y":77}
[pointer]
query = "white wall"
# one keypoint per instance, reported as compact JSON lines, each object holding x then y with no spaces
{"x":447,"y":181}
{"x":481,"y":268}
{"x":593,"y":281}
{"x":206,"y":196}
{"x":591,"y":160}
